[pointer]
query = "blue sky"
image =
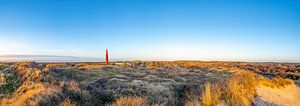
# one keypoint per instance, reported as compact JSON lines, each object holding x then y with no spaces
{"x":237,"y":30}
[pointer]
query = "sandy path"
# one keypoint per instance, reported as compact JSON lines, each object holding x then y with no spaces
{"x":288,"y":96}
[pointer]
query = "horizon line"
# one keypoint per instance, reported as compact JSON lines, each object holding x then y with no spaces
{"x":18,"y":58}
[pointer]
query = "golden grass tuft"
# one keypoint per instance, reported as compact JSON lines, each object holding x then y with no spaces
{"x":193,"y":103}
{"x":239,"y":89}
{"x":206,"y":95}
{"x":2,"y":78}
{"x":73,"y":85}
{"x":276,"y":82}
{"x":130,"y":101}
{"x":67,"y":102}
{"x":211,"y":95}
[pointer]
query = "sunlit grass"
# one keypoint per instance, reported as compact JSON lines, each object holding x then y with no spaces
{"x":130,"y":101}
{"x":237,"y":90}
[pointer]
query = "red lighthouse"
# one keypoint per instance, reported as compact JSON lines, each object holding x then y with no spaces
{"x":106,"y":57}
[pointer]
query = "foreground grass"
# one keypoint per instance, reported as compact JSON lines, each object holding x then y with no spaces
{"x":240,"y":89}
{"x":33,"y":95}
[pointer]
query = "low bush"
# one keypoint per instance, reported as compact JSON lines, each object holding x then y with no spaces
{"x":10,"y":82}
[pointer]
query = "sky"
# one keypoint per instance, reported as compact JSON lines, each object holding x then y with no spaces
{"x":212,"y":30}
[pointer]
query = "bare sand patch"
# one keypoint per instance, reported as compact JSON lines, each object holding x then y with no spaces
{"x":285,"y":96}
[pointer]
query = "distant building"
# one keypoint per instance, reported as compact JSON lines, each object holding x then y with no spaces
{"x":106,"y":57}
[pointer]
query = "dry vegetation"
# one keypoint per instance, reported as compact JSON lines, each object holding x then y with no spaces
{"x":130,"y":101}
{"x":139,"y":83}
{"x":240,"y":89}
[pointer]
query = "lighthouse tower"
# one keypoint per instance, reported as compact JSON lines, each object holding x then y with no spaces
{"x":106,"y":57}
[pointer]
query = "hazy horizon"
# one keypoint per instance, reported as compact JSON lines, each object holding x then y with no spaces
{"x":59,"y":58}
{"x":205,"y":30}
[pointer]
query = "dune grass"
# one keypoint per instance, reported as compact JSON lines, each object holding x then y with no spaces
{"x":238,"y":90}
{"x":34,"y":94}
{"x":211,"y":95}
{"x":130,"y":101}
{"x":68,"y":102}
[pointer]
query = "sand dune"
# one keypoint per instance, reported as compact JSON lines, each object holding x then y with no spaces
{"x":287,"y":96}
